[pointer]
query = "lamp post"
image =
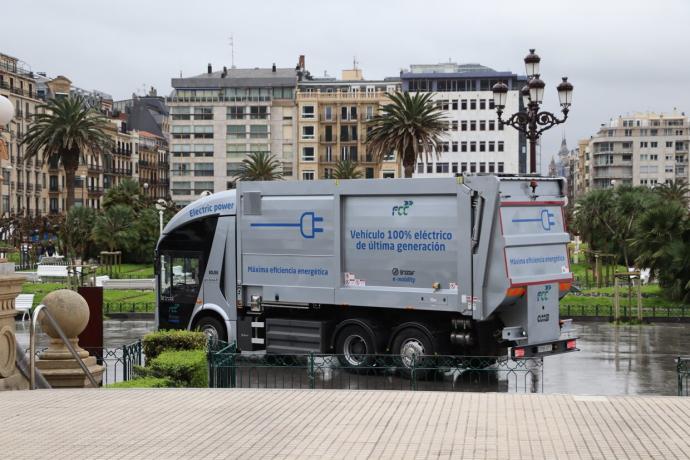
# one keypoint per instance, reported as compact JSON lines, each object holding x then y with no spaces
{"x":160,"y":206}
{"x":6,"y":114}
{"x":531,"y":121}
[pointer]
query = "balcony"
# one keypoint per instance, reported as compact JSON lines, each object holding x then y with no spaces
{"x":39,"y":187}
{"x":54,"y":189}
{"x":328,"y":139}
{"x":95,"y":190}
{"x":30,"y":188}
{"x":341,"y":95}
{"x":328,"y":158}
{"x":19,"y":187}
{"x":95,"y":169}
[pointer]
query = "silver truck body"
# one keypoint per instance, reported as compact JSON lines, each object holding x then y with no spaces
{"x":480,"y":247}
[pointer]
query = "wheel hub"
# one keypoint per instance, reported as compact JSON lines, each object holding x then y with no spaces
{"x":410,"y":351}
{"x":355,"y":350}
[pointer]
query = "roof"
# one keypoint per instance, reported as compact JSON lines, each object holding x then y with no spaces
{"x":257,"y":77}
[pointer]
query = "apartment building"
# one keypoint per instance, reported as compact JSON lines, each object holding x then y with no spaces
{"x":641,"y":149}
{"x":217,"y":118}
{"x":153,"y":165}
{"x":474,"y":142}
{"x":583,"y":170}
{"x":332,"y":124}
{"x":23,"y":182}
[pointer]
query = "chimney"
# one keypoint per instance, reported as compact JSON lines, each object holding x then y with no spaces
{"x":210,"y":69}
{"x":301,"y":61}
{"x":274,"y":67}
{"x":225,"y":72}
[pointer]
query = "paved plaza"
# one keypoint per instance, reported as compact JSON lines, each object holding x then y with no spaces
{"x":204,"y":423}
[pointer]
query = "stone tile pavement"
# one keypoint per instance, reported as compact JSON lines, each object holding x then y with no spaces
{"x":204,"y":423}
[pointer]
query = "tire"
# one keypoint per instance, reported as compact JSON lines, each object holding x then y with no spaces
{"x":409,"y":344}
{"x":353,"y":345}
{"x":212,"y":327}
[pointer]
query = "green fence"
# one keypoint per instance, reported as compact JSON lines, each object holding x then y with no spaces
{"x":607,"y":311}
{"x":228,"y":369}
{"x":683,"y":367}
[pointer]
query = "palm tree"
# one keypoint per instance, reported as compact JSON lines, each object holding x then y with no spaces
{"x":411,"y":125}
{"x":125,"y":193}
{"x":65,"y":130}
{"x":346,"y":169}
{"x":675,"y":191}
{"x":76,"y":231}
{"x":114,"y":228}
{"x":260,"y":166}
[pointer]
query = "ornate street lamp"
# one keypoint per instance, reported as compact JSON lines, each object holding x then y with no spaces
{"x":531,"y":121}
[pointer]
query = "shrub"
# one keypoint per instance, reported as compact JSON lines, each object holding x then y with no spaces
{"x":186,"y":368}
{"x":157,"y":342}
{"x":144,"y":382}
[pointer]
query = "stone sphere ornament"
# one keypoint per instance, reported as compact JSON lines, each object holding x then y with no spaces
{"x":69,"y":310}
{"x":6,"y":111}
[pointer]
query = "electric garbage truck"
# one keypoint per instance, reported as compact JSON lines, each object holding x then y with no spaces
{"x":471,"y":265}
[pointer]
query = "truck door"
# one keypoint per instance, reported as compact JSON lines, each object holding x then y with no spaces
{"x":179,"y":285}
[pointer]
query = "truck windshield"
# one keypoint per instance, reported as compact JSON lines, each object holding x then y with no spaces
{"x":179,"y":276}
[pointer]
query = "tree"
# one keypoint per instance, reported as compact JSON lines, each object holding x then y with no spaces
{"x":126,"y":193}
{"x":411,"y":125}
{"x":75,"y":233}
{"x":146,"y":230}
{"x":114,"y":228}
{"x":346,"y":169}
{"x":677,"y":191}
{"x":64,"y":131}
{"x":260,"y":166}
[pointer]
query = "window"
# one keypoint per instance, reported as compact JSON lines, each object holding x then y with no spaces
{"x":492,"y":167}
{"x":444,"y":147}
{"x":203,"y":132}
{"x":258,"y":112}
{"x":348,"y":152}
{"x":473,"y":125}
{"x":235,"y":113}
{"x":454,"y":168}
{"x":180,"y":150}
{"x":668,"y":168}
{"x":643,"y":144}
{"x":482,"y":167}
{"x":669,"y":144}
{"x":463,"y":146}
{"x":473,"y":104}
{"x":203,"y":150}
{"x":181,"y":188}
{"x":492,"y":146}
{"x":388,"y":175}
{"x":654,"y":144}
{"x":500,"y":166}
{"x":463,"y":125}
{"x":369,"y":173}
{"x":203,"y":113}
{"x":482,"y":104}
{"x":180,"y":113}
{"x":307,"y":153}
{"x":370,"y":109}
{"x":482,"y":125}
{"x":237,"y":151}
{"x":443,"y":104}
{"x":500,"y":126}
{"x":203,"y":169}
{"x":482,"y":146}
{"x":454,"y":104}
{"x":307,"y":175}
{"x":258,"y":131}
{"x":181,"y":132}
{"x":328,"y":113}
{"x":442,"y":167}
{"x":653,"y":157}
{"x":233,"y":169}
{"x":463,"y":167}
{"x":454,"y":125}
{"x":429,"y":168}
{"x":473,"y":146}
{"x":200,"y":187}
{"x":500,"y":148}
{"x":308,"y":112}
{"x":420,"y":168}
{"x":492,"y":125}
{"x":473,"y":167}
{"x":463,"y":104}
{"x":237,"y":132}
{"x":454,"y":147}
{"x":627,"y":132}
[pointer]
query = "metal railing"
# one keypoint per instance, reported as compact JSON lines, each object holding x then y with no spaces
{"x":607,"y":311}
{"x":32,"y":347}
{"x":683,"y":368}
{"x":228,"y":369}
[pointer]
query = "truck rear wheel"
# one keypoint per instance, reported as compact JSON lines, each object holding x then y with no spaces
{"x":354,"y":347}
{"x":409,"y":346}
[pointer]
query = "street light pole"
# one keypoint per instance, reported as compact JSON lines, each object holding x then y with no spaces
{"x":531,"y":121}
{"x":160,"y":206}
{"x":6,"y":115}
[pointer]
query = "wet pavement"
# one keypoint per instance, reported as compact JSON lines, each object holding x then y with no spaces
{"x":613,"y":360}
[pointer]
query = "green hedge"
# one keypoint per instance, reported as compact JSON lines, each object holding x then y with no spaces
{"x":185,"y":368}
{"x":157,"y":342}
{"x":144,"y":382}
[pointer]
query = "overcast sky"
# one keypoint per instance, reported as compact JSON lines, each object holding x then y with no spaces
{"x":622,"y":56}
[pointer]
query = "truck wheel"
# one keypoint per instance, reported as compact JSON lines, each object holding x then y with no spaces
{"x":354,"y":347}
{"x":409,"y":345}
{"x":212,"y":327}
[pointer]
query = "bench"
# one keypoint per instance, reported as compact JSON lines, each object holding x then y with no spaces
{"x":23,"y":304}
{"x":51,"y":271}
{"x":139,"y":284}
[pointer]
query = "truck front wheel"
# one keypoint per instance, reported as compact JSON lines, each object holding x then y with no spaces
{"x":354,"y":347}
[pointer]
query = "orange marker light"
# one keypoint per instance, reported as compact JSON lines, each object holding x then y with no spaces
{"x":565,"y":286}
{"x":515,"y":292}
{"x":518,"y":352}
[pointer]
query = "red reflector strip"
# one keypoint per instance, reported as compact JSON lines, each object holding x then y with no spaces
{"x":570,"y":344}
{"x":518,"y":352}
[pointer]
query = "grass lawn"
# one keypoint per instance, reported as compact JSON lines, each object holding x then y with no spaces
{"x":109,"y":296}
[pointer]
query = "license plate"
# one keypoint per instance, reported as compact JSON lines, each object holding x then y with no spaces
{"x":544,"y":348}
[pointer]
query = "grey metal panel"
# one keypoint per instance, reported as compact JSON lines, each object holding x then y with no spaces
{"x":464,"y":249}
{"x":531,"y":240}
{"x":390,"y":297}
{"x":251,"y":203}
{"x":298,"y":294}
{"x":214,"y":266}
{"x":536,"y":313}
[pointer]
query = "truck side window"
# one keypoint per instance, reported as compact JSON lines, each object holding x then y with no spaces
{"x":185,"y":276}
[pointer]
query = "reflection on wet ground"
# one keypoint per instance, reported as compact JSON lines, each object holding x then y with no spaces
{"x":613,"y":360}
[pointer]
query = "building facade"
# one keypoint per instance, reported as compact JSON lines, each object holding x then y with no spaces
{"x":332,"y":117}
{"x":474,"y":142}
{"x":643,"y":149}
{"x":218,"y":118}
